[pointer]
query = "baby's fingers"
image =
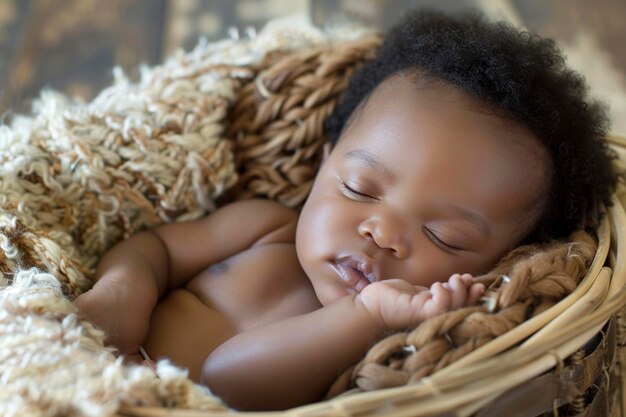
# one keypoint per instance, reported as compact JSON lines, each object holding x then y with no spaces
{"x":440,"y":300}
{"x":458,"y":290}
{"x":475,"y":292}
{"x":468,"y":280}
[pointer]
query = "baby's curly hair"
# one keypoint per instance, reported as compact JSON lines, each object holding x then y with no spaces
{"x":522,"y":78}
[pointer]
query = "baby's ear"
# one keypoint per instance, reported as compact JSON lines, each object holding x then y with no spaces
{"x":326,"y":151}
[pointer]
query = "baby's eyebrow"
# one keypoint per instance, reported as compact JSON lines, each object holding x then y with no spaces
{"x":371,"y":161}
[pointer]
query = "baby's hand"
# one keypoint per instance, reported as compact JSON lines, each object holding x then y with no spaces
{"x":397,"y":304}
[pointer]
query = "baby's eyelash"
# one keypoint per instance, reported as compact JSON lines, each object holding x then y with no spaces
{"x":347,"y":189}
{"x":437,"y":241}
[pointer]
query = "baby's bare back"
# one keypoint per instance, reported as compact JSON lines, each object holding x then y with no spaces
{"x":259,"y":285}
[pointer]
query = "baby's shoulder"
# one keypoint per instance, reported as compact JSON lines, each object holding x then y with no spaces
{"x":279,"y":220}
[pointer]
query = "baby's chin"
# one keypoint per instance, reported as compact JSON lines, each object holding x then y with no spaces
{"x":333,"y":293}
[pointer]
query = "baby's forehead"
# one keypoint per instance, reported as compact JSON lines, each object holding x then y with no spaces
{"x":438,"y":121}
{"x":425,"y":93}
{"x":433,"y":91}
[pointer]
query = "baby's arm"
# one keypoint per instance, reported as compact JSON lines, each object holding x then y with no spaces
{"x":294,"y":361}
{"x":135,"y":273}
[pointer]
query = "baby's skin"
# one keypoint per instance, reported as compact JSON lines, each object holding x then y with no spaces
{"x":267,"y":306}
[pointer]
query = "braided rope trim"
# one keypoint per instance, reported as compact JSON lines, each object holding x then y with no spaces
{"x":277,"y":121}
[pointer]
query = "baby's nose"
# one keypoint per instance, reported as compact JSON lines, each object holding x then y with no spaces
{"x":386,"y":234}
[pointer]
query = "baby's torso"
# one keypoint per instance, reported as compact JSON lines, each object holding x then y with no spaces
{"x":262,"y":284}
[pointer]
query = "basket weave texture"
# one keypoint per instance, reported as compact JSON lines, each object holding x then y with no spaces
{"x":241,"y":119}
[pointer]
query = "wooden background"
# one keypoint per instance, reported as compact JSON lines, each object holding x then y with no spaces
{"x":72,"y":45}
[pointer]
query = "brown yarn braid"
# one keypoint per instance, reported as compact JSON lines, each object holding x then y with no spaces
{"x":527,"y":281}
{"x":277,"y":122}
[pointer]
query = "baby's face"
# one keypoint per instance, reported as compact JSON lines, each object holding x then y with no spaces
{"x":421,"y":185}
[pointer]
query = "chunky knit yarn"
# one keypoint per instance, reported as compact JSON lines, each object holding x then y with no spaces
{"x":75,"y":178}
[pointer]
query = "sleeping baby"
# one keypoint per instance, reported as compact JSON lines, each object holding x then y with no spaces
{"x":460,"y":141}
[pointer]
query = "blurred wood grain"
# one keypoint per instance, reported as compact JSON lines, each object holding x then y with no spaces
{"x":72,"y":45}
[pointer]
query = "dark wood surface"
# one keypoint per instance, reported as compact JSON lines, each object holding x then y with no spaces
{"x":72,"y":45}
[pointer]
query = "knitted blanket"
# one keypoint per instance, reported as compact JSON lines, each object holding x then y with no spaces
{"x":78,"y":177}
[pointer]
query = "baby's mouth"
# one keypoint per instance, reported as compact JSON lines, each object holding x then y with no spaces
{"x":355,"y":272}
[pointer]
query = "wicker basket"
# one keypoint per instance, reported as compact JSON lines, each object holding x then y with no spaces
{"x":566,"y":360}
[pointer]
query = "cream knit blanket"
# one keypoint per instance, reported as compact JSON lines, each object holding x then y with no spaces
{"x":75,"y":179}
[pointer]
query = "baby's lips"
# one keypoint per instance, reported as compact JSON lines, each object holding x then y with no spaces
{"x":363,"y":263}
